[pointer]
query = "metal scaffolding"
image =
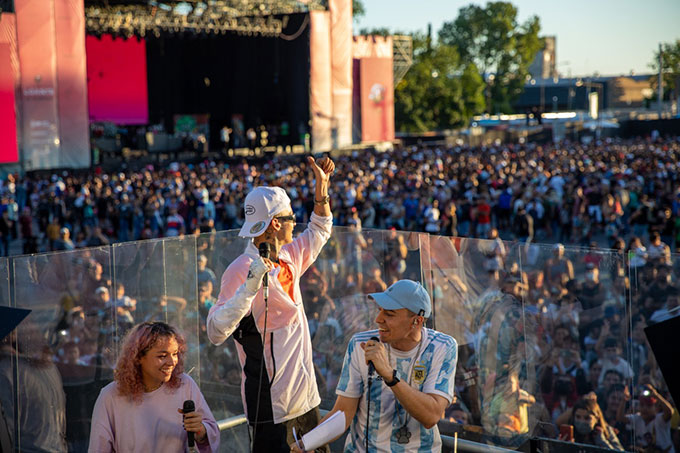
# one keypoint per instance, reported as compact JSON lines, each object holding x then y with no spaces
{"x":141,"y":17}
{"x":402,"y":56}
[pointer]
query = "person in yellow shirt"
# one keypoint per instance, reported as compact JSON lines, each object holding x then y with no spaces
{"x":52,"y":233}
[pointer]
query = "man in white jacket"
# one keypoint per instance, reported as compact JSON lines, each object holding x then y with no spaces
{"x":280,"y":393}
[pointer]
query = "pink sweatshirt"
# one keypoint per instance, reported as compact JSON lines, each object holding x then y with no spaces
{"x":153,"y":425}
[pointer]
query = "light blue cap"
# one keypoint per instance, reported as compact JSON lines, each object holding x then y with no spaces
{"x":405,"y":294}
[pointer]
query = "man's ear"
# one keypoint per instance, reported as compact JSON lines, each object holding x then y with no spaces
{"x":275,"y":224}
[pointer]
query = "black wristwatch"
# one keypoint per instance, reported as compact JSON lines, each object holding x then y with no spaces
{"x":323,"y":201}
{"x":394,"y":381}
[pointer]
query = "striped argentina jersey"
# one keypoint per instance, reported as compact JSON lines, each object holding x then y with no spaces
{"x":433,"y":373}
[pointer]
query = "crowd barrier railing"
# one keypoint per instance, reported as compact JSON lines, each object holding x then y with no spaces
{"x":528,"y":320}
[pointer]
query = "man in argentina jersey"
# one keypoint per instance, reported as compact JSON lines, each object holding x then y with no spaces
{"x":413,"y":380}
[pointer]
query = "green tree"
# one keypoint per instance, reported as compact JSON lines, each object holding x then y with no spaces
{"x":358,"y":9}
{"x":381,"y":31}
{"x":671,"y":69}
{"x":491,"y":38}
{"x":438,"y":91}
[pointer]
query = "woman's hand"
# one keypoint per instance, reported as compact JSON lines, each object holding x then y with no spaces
{"x":564,"y":437}
{"x":193,"y":423}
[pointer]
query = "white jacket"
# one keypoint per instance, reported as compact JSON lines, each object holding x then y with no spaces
{"x":293,"y":388}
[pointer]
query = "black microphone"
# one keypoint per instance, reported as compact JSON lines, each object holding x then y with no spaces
{"x":371,"y":367}
{"x":264,"y":248}
{"x":189,"y":407}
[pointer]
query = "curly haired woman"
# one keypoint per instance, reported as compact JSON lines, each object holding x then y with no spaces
{"x":141,"y":410}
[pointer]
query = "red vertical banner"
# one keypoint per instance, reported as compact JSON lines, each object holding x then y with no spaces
{"x":72,"y":83}
{"x":341,"y":68}
{"x":9,"y":84}
{"x":320,"y":83}
{"x":377,"y":99}
{"x":116,"y":80}
{"x":38,"y":61}
{"x":8,"y":124}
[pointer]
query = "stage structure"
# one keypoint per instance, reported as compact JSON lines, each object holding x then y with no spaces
{"x":402,"y":56}
{"x":242,"y":63}
{"x":253,"y":64}
{"x":44,"y":42}
{"x":374,"y":88}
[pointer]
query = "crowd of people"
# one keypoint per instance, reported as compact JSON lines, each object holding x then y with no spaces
{"x":548,"y":335}
{"x":567,"y":192}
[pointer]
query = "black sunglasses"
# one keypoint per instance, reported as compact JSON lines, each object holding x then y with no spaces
{"x":287,"y":218}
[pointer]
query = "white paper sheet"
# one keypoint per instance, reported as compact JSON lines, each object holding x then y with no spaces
{"x":331,"y":428}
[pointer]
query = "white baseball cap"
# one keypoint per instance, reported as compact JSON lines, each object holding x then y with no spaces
{"x":260,"y":207}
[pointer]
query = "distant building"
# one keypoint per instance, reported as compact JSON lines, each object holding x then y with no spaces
{"x":544,"y":65}
{"x":561,"y":94}
{"x":629,"y":91}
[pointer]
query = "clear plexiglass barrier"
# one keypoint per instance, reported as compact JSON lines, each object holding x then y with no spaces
{"x":538,"y":326}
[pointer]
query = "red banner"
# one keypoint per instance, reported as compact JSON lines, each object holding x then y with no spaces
{"x":9,"y":83}
{"x":116,"y":80}
{"x":377,"y":99}
{"x":8,"y":125}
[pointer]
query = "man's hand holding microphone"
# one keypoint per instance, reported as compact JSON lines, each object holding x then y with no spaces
{"x":376,"y":358}
{"x":258,"y":268}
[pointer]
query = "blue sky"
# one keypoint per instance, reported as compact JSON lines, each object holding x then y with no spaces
{"x":611,"y":37}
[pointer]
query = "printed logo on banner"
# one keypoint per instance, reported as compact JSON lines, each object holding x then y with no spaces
{"x":377,"y":93}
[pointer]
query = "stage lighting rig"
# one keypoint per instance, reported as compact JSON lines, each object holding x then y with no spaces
{"x":246,"y":17}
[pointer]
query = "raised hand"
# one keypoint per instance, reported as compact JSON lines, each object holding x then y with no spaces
{"x":626,"y":394}
{"x":322,"y":168}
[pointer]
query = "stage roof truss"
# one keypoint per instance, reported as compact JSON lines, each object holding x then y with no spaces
{"x":402,"y":56}
{"x":247,"y":17}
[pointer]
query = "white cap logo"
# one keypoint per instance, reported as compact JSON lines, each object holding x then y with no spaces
{"x":259,"y":226}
